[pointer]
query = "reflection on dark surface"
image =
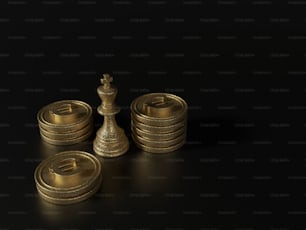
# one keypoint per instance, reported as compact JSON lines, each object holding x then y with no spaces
{"x":136,"y":180}
{"x":58,"y":214}
{"x":46,"y":149}
{"x":155,"y":173}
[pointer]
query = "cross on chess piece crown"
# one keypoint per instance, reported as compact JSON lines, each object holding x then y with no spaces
{"x":106,"y":81}
{"x":107,"y":93}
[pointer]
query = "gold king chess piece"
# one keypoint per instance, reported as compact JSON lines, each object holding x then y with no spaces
{"x":111,"y":140}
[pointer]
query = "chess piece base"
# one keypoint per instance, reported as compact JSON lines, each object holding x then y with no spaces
{"x":111,"y":140}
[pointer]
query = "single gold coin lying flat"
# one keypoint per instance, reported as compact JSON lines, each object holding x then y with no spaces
{"x":159,"y":144}
{"x":157,"y":129}
{"x":64,"y":115}
{"x":159,"y":122}
{"x":70,"y":200}
{"x":67,"y":135}
{"x":67,"y":141}
{"x":68,"y":177}
{"x":157,"y":136}
{"x":158,"y":149}
{"x":161,"y":106}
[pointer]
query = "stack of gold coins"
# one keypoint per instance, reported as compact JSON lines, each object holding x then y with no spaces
{"x":68,"y":177}
{"x":159,"y":122}
{"x":65,"y":122}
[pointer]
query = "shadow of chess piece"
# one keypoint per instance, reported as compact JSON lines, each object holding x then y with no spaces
{"x":111,"y":140}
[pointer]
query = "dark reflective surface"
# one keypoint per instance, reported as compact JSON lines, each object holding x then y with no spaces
{"x":240,"y":66}
{"x":136,"y":185}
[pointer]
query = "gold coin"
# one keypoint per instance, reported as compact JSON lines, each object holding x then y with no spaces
{"x":63,"y":130}
{"x":69,"y":171}
{"x":68,"y":176}
{"x":71,"y":141}
{"x":60,"y":129}
{"x":70,"y":200}
{"x":67,"y":135}
{"x":163,"y":107}
{"x":154,"y":129}
{"x":159,"y":144}
{"x":159,"y":149}
{"x":58,"y":194}
{"x":158,"y":122}
{"x":64,"y":115}
{"x":157,"y":136}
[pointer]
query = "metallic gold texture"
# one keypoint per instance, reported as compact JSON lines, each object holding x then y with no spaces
{"x":159,"y":122}
{"x":110,"y":140}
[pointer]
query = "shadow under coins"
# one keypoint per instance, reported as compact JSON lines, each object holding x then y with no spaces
{"x":134,"y":181}
{"x":140,"y":172}
{"x":79,"y":214}
{"x":46,"y":150}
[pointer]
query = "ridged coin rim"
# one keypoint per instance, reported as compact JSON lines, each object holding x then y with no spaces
{"x":158,"y":122}
{"x":50,"y":125}
{"x":156,"y":129}
{"x":71,"y":141}
{"x":137,"y":101}
{"x":41,"y":183}
{"x":74,"y":193}
{"x":70,"y":200}
{"x":159,"y":150}
{"x":68,"y":135}
{"x":61,"y":130}
{"x":159,"y":144}
{"x":157,"y":136}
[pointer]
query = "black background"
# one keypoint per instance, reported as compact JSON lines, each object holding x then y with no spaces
{"x":240,"y":65}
